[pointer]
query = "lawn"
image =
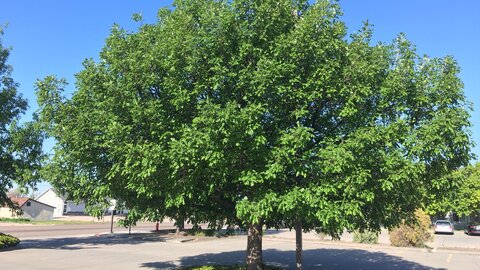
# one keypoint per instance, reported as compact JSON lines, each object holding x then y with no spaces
{"x":42,"y":222}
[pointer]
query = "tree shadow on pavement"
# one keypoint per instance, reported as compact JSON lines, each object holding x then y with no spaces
{"x":325,"y":259}
{"x":75,"y":243}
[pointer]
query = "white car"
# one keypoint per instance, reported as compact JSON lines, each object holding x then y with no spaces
{"x":443,"y":226}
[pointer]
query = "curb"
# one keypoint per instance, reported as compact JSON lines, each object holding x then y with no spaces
{"x":180,"y":240}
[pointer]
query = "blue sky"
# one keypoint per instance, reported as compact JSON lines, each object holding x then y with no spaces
{"x":55,"y":36}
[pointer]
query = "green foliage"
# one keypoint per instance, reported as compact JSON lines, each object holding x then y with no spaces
{"x":210,"y":232}
{"x":415,"y":233}
{"x":199,"y":232}
{"x":258,"y":112}
{"x":129,"y":220}
{"x":7,"y":241}
{"x":367,"y":237}
{"x":20,"y":144}
{"x":461,"y":192}
{"x":15,"y":220}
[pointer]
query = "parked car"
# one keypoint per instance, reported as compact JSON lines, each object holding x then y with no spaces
{"x":473,"y":228}
{"x":443,"y":226}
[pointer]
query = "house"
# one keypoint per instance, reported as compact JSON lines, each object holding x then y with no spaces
{"x":62,"y":205}
{"x":115,"y":207}
{"x":30,"y":209}
{"x":66,"y":207}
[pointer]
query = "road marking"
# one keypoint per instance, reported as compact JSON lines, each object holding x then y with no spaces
{"x":449,"y":259}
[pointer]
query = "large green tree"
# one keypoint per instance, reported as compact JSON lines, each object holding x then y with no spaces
{"x":20,"y":144}
{"x":258,"y":113}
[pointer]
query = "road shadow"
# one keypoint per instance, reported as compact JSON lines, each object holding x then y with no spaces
{"x":75,"y":243}
{"x":325,"y":259}
{"x":91,"y":242}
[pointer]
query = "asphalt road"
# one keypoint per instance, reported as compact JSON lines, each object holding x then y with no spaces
{"x":89,"y":246}
{"x":457,"y":241}
{"x":152,"y":251}
{"x":25,"y":231}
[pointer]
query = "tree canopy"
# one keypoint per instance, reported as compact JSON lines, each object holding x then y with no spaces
{"x":258,"y":112}
{"x":20,"y":144}
{"x":461,"y":192}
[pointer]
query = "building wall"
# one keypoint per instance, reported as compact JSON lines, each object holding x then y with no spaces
{"x":113,"y":206}
{"x":51,"y":198}
{"x":6,"y":212}
{"x":75,"y":208}
{"x":37,"y":211}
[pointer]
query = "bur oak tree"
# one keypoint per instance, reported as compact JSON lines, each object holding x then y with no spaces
{"x":259,"y":114}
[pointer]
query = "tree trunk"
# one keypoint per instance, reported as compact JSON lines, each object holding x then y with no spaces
{"x":180,"y":227}
{"x":299,"y":248}
{"x":254,"y":247}
{"x":111,"y":221}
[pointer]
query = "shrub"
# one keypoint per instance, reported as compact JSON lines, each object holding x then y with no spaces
{"x":15,"y":220}
{"x":7,"y":240}
{"x":412,"y":235}
{"x":365,"y":237}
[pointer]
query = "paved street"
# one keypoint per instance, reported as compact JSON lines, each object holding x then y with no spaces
{"x":23,"y":231}
{"x":151,"y":251}
{"x":458,"y":241}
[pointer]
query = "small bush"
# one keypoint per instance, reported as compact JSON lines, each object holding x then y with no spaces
{"x":365,"y":237}
{"x":7,"y":240}
{"x":229,"y":232}
{"x":412,"y":235}
{"x":199,"y":232}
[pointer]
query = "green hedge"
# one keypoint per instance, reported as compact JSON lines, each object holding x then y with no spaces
{"x":15,"y":220}
{"x":7,"y":240}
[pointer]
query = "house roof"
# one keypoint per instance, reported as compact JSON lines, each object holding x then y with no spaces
{"x":21,"y":201}
{"x":54,"y":191}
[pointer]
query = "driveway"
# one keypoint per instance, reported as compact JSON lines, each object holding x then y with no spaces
{"x":458,"y":241}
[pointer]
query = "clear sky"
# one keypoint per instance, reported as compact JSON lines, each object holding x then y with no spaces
{"x":55,"y":36}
